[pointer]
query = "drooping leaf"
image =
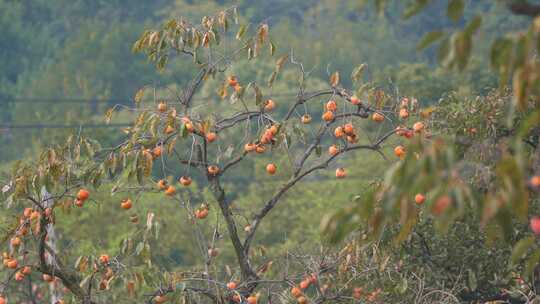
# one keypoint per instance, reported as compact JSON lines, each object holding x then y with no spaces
{"x":429,"y":38}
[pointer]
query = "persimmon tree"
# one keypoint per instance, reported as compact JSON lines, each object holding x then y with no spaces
{"x":483,"y":164}
{"x":208,"y":145}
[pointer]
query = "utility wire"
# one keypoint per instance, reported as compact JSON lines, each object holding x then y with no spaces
{"x":63,"y":126}
{"x":88,"y":101}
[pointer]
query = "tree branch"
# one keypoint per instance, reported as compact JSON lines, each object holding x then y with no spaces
{"x":524,"y":8}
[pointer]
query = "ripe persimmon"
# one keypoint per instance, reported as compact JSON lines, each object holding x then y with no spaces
{"x":27,"y":270}
{"x":238,"y":88}
{"x":233,"y":81}
{"x":269,"y":105}
{"x":331,"y":106}
{"x":441,"y":205}
{"x":338,"y":132}
{"x":271,"y":169}
{"x":213,"y":170}
{"x":162,"y":106}
{"x":162,"y":184}
{"x":231,"y":285}
{"x":377,"y":117}
{"x":302,"y":300}
{"x":16,"y":241}
{"x":355,"y":100}
{"x":348,"y":129}
{"x":201,"y":213}
{"x":399,"y":151}
{"x":535,"y":181}
{"x":260,"y":149}
{"x":79,"y":203}
{"x":3,"y":300}
{"x":304,"y":284}
{"x":12,"y":263}
{"x":47,"y":278}
{"x":418,"y":127}
{"x":156,"y":152}
{"x":160,"y":299}
{"x":27,"y":212}
{"x":333,"y":150}
{"x":250,"y":147}
{"x":403,"y":113}
{"x":170,"y":190}
{"x":340,"y":173}
{"x":126,"y":204}
{"x":296,"y":292}
{"x":535,"y":225}
{"x":305,"y":119}
{"x":19,"y":276}
{"x":419,"y":198}
{"x":328,"y":116}
{"x":252,"y":300}
{"x":104,"y":259}
{"x":352,"y":138}
{"x":185,"y":180}
{"x":83,"y":195}
{"x":211,"y":137}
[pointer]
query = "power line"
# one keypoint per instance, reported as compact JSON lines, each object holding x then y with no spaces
{"x":63,"y":126}
{"x":97,"y":101}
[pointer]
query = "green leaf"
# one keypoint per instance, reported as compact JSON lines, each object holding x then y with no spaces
{"x":520,"y":249}
{"x":272,"y":48}
{"x":429,"y":38}
{"x":415,"y":7}
{"x":241,"y":32}
{"x":473,"y":25}
{"x":455,"y":9}
{"x":357,"y":72}
{"x":531,"y":263}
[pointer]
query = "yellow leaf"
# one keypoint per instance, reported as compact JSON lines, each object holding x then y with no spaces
{"x":334,"y":79}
